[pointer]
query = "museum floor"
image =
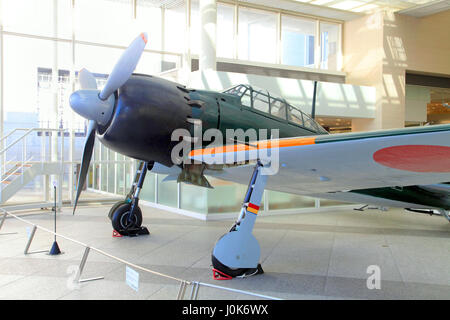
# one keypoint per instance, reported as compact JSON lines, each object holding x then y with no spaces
{"x":307,"y":256}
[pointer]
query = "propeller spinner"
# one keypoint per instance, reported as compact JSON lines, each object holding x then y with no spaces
{"x":98,"y":106}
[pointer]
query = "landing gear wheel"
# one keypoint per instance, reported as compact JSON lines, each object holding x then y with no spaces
{"x":224,"y":269}
{"x":114,"y":208}
{"x":238,"y":272}
{"x":119,"y":218}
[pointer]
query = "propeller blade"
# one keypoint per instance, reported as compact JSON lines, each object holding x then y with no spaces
{"x":125,"y":66}
{"x":87,"y":155}
{"x":87,"y":80}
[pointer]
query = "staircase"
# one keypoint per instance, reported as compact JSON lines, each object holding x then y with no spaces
{"x":34,"y":152}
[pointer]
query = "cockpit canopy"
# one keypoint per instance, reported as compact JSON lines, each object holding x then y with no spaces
{"x":261,"y":100}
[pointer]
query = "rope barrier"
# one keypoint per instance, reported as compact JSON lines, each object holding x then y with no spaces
{"x":183,"y":283}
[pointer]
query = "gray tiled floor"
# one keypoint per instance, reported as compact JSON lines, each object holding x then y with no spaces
{"x":305,"y":256}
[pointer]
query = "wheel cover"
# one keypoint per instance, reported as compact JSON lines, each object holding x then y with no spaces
{"x":124,"y":220}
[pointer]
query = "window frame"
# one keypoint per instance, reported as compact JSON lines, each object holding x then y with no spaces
{"x":301,"y":114}
{"x":316,"y":46}
{"x":316,"y":128}
{"x":255,"y":93}
{"x":284,"y":104}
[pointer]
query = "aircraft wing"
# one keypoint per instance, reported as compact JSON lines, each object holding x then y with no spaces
{"x":341,"y":162}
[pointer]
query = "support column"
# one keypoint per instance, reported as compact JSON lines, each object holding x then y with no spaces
{"x":376,"y":56}
{"x":208,"y":24}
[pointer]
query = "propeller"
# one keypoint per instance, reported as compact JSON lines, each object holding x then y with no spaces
{"x":98,"y":106}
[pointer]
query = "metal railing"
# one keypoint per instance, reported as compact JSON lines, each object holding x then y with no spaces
{"x":27,"y":156}
{"x":42,"y":154}
{"x":183,"y":283}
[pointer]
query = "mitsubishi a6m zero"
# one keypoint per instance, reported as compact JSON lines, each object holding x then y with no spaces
{"x":136,"y":115}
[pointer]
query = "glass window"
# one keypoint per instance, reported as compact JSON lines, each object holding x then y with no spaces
{"x":330,"y":203}
{"x":330,"y":46}
{"x":96,"y":176}
{"x":120,"y":178}
{"x":297,"y":36}
{"x":175,"y":27}
{"x":257,"y":35}
{"x":295,"y":116}
{"x":277,"y":108}
{"x":225,"y":31}
{"x":153,"y":63}
{"x":23,"y":59}
{"x":90,"y":177}
{"x":64,"y":9}
{"x":278,"y":200}
{"x":148,"y":19}
{"x":104,"y":177}
{"x":104,"y":21}
{"x":194,"y":198}
{"x":246,"y":99}
{"x":310,"y":123}
{"x":195,"y":32}
{"x":226,"y":196}
{"x":237,"y":91}
{"x":260,"y":101}
{"x":28,"y":16}
{"x":167,"y":192}
{"x":128,"y":175}
{"x":111,"y":176}
{"x":148,"y":189}
{"x":96,"y":59}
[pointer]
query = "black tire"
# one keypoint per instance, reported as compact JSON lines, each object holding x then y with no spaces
{"x":114,"y":208}
{"x":119,"y":218}
{"x":229,"y":271}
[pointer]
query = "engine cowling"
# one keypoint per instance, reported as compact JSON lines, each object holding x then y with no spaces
{"x":147,"y":111}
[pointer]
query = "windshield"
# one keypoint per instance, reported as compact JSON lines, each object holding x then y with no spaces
{"x":263,"y":101}
{"x":237,"y":90}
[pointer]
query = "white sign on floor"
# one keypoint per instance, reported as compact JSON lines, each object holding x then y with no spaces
{"x":132,"y":278}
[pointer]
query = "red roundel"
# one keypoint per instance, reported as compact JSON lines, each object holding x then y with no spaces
{"x":416,"y":158}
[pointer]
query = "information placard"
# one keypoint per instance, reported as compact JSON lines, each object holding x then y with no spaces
{"x":132,"y":278}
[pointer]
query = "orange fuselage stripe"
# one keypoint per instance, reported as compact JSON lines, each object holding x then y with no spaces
{"x":260,"y":145}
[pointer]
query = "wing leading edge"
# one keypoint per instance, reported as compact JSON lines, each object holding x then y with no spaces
{"x":332,"y":163}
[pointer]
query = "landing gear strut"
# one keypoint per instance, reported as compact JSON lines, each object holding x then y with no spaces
{"x":126,"y":216}
{"x":236,"y":254}
{"x":445,"y":214}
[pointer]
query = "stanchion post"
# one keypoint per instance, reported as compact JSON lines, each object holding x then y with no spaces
{"x":182,"y":290}
{"x":82,"y":263}
{"x":3,"y":220}
{"x":1,"y":224}
{"x":54,"y":188}
{"x":55,"y":247}
{"x":194,"y":291}
{"x":81,"y":267}
{"x":30,"y":238}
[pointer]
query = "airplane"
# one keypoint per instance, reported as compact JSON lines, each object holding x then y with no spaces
{"x":136,"y":115}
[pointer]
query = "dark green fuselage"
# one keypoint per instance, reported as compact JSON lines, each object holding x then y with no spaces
{"x":225,"y":111}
